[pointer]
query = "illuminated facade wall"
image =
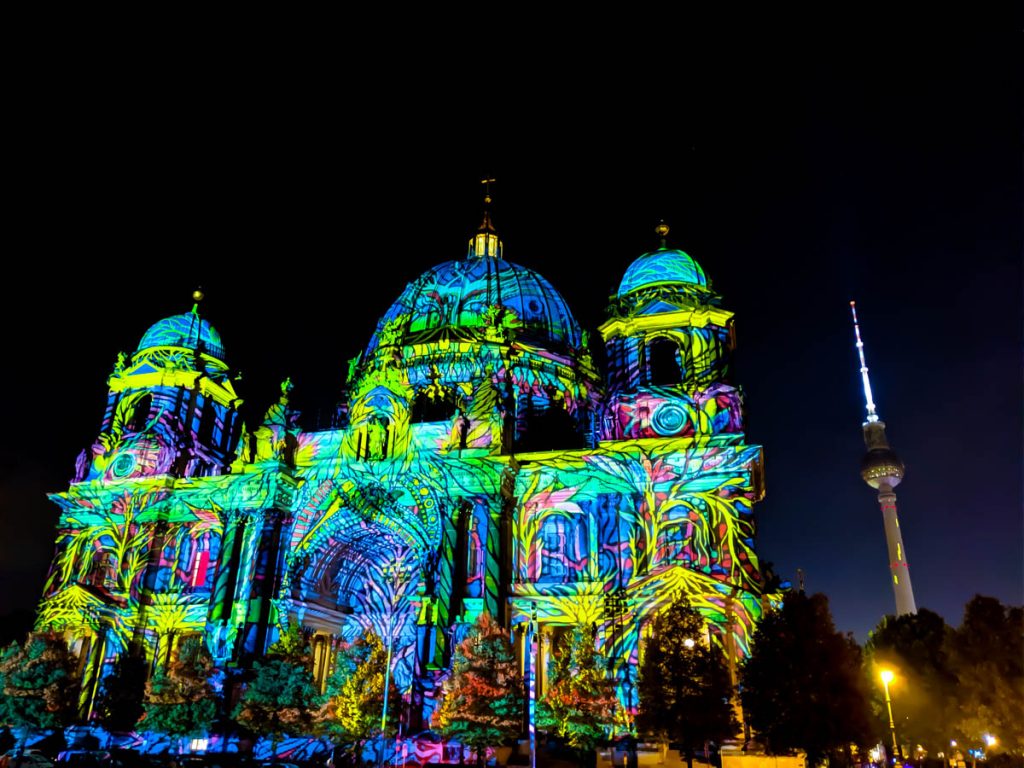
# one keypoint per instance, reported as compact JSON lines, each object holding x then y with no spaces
{"x":481,"y":463}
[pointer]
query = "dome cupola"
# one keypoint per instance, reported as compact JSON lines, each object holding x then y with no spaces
{"x":184,"y":331}
{"x":465,"y":298}
{"x":663,"y":267}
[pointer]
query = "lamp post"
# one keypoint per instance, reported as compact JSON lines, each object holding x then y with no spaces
{"x":396,"y":571}
{"x":530,"y":645}
{"x":887,"y":677}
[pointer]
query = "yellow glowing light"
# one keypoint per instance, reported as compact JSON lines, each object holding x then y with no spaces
{"x":887,"y":676}
{"x":990,"y":740}
{"x":688,"y":642}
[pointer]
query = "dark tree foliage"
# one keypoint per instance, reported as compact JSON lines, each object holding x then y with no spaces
{"x":179,"y":700}
{"x":123,"y":690}
{"x":803,"y":686}
{"x":987,"y":654}
{"x":39,"y":686}
{"x":684,"y":687}
{"x":280,"y":698}
{"x":914,"y":648}
{"x":482,"y":704}
{"x":580,"y":701}
{"x":330,"y":720}
{"x":354,"y":705}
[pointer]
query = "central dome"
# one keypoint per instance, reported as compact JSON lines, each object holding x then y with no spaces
{"x":460,"y":294}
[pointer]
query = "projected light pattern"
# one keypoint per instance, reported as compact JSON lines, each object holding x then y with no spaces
{"x":662,"y":267}
{"x":187,"y":330}
{"x":479,"y":463}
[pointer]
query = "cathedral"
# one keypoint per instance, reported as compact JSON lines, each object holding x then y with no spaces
{"x":479,"y":461}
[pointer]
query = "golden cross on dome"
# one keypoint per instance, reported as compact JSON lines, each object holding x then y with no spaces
{"x":487,"y":189}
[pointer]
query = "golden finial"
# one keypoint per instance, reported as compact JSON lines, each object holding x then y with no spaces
{"x":485,"y":242}
{"x":663,"y":232}
{"x":197,"y":296}
{"x":487,"y":189}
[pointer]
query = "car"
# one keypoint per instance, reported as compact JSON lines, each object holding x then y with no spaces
{"x":84,"y":758}
{"x":30,"y":758}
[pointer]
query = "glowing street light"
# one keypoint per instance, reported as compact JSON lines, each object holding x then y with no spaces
{"x":990,"y":740}
{"x":887,"y":677}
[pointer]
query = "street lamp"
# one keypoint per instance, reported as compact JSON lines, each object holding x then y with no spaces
{"x":887,"y":677}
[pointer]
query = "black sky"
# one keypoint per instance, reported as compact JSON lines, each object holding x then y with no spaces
{"x":884,"y":168}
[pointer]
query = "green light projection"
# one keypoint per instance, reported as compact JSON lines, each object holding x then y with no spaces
{"x":479,"y":454}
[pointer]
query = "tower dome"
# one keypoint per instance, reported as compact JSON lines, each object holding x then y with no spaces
{"x":881,"y":466}
{"x":665,"y":266}
{"x":463,"y":295}
{"x":187,"y":331}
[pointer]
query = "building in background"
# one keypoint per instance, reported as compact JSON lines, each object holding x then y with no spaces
{"x":480,"y":461}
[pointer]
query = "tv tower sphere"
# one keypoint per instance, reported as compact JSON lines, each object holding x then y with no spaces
{"x":880,"y":466}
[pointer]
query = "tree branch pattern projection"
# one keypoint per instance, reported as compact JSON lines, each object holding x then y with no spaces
{"x":478,"y":464}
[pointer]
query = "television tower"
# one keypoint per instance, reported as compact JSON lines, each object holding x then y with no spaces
{"x":882,"y":469}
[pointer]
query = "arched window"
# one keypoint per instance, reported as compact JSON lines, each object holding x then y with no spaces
{"x":104,"y":572}
{"x":140,"y":413}
{"x":546,"y":425}
{"x":430,"y":406}
{"x":200,"y":563}
{"x":664,"y":362}
{"x":553,"y":563}
{"x":475,"y":559}
{"x":208,"y":420}
{"x":672,"y":540}
{"x":563,"y":549}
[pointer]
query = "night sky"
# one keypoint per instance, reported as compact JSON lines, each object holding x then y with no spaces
{"x":882,"y":170}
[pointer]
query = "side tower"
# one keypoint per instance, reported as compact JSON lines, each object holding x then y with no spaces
{"x":666,"y":496}
{"x":882,"y":469}
{"x":139,"y":539}
{"x":669,"y":343}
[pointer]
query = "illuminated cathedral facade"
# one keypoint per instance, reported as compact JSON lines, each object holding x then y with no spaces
{"x":480,"y":462}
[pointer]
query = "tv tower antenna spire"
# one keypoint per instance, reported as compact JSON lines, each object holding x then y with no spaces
{"x":882,"y":469}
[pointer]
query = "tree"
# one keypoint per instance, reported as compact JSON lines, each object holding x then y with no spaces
{"x":987,"y":654}
{"x":352,"y":709}
{"x":39,"y":687}
{"x":914,"y":648}
{"x":281,"y":697}
{"x":179,"y":700}
{"x":684,"y":684}
{"x":121,"y":705}
{"x":483,"y":697}
{"x":803,"y":685}
{"x":580,"y":702}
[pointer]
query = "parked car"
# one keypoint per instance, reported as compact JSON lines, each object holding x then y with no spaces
{"x":31,"y":758}
{"x":84,"y":758}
